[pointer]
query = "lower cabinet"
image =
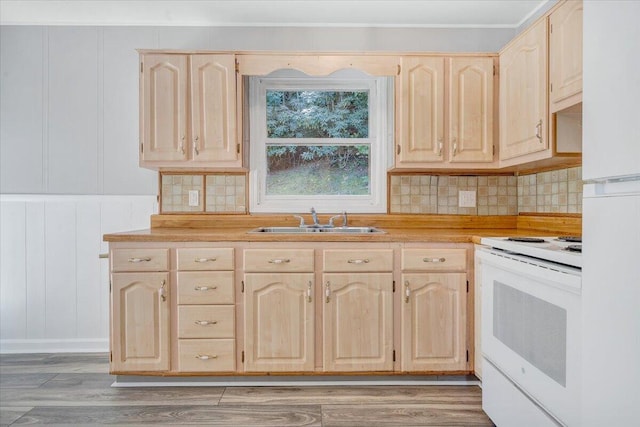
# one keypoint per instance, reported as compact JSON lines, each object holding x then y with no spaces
{"x":358,"y":321}
{"x":279,"y":322}
{"x":140,"y":306}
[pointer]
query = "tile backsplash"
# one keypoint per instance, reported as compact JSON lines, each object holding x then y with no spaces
{"x":558,"y":191}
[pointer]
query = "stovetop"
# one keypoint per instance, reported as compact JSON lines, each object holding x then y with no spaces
{"x":563,"y":250}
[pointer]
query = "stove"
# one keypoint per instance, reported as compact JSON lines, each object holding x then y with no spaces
{"x":561,"y":250}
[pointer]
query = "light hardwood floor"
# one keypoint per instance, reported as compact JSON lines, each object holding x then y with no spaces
{"x":75,"y":389}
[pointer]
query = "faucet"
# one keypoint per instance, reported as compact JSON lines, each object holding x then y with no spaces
{"x":314,"y":215}
{"x":344,"y":219}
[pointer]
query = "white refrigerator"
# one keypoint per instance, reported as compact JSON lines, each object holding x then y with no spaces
{"x":611,"y":214}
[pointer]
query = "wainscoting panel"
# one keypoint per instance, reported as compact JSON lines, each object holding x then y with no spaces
{"x":54,"y":288}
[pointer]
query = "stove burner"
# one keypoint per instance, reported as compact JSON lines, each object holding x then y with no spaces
{"x":570,"y":239}
{"x":526,"y":239}
{"x":574,"y":248}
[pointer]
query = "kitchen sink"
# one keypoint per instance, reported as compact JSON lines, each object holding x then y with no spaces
{"x":311,"y":230}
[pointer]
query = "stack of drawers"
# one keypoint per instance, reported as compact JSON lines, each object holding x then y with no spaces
{"x":206,"y":310}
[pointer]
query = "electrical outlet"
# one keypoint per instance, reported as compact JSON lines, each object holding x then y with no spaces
{"x":194,"y":198}
{"x":467,"y":199}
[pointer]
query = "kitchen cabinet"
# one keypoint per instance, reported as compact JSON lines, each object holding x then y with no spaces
{"x":433,"y":313}
{"x":140,"y":311}
{"x":445,"y":112}
{"x":188,"y":111}
{"x":279,"y":303}
{"x":523,"y":96}
{"x":565,"y":56}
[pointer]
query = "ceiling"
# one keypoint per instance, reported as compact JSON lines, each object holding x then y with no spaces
{"x":343,"y":13}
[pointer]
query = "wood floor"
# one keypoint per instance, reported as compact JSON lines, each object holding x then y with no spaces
{"x":75,"y":389}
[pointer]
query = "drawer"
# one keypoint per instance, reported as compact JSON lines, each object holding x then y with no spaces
{"x":434,"y":259}
{"x":140,"y":259}
{"x":205,"y":258}
{"x":282,"y":260}
{"x":205,"y":287}
{"x":206,"y":355}
{"x":206,"y":321}
{"x":347,"y":260}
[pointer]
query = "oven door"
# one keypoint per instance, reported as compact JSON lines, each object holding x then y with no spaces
{"x":531,"y":329}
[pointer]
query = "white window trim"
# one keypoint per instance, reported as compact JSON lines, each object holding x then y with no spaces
{"x":380,"y":109}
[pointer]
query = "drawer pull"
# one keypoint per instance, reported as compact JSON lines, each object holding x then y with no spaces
{"x":407,"y":291}
{"x":358,"y":261}
{"x":206,"y":356}
{"x":434,"y":260}
{"x":136,"y":260}
{"x":279,"y":261}
{"x":205,"y":259}
{"x":205,"y":322}
{"x":205,"y":288}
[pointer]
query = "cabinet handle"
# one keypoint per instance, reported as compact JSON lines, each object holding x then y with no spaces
{"x":434,"y":260}
{"x":162,"y":291}
{"x":327,"y":292}
{"x":136,"y":260}
{"x":455,"y":147}
{"x":205,"y":288}
{"x":205,"y":322}
{"x":182,"y":145}
{"x":195,"y":146}
{"x":407,"y":291}
{"x":205,"y":259}
{"x":279,"y":261}
{"x":539,"y":130}
{"x":398,"y":149}
{"x":358,"y":261}
{"x":309,"y":299}
{"x":206,"y":356}
{"x":439,"y":147}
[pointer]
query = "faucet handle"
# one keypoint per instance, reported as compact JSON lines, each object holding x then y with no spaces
{"x":302,"y":224}
{"x":345,"y":219}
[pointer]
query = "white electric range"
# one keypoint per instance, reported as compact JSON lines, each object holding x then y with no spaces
{"x":562,"y":250}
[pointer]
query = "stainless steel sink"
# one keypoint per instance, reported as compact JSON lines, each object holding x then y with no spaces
{"x":311,"y":230}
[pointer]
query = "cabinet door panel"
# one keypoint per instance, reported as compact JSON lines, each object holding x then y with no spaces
{"x":164,"y":107}
{"x":140,"y":322}
{"x":213,"y":108}
{"x":422,"y":112}
{"x":358,"y":321}
{"x":471,"y":109}
{"x":279,"y":322}
{"x":434,"y":322}
{"x":565,"y":55}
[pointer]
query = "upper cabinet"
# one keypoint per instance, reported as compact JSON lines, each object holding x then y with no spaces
{"x":523,"y":94}
{"x":565,"y":56}
{"x":188,"y":111}
{"x":445,"y":112}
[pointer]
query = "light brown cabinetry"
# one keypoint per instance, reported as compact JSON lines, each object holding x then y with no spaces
{"x":433,"y":318}
{"x":140,"y":311}
{"x":523,"y":95}
{"x":279,"y":304}
{"x":445,"y":111}
{"x":188,"y":111}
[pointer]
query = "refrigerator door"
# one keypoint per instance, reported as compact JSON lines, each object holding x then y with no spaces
{"x":611,"y":303}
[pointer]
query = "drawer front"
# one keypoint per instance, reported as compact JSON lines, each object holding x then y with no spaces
{"x":205,"y":258}
{"x":278,"y":260}
{"x":434,"y":259}
{"x":348,"y":260}
{"x":206,"y":287}
{"x":140,"y":259}
{"x":206,"y":321}
{"x":206,"y":355}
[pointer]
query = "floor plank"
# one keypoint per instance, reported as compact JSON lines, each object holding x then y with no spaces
{"x":24,"y":380}
{"x":54,"y":363}
{"x":281,"y":416}
{"x":9,"y":415}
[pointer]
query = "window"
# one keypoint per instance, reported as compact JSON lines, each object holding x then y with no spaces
{"x":319,"y":142}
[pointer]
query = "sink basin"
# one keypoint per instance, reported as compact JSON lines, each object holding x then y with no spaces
{"x":311,"y":230}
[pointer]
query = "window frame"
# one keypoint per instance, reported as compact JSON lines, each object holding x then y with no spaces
{"x":380,"y":111}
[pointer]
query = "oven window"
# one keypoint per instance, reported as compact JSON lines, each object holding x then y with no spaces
{"x":533,"y":328}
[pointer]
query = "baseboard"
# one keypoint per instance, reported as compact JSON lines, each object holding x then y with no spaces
{"x":88,"y":345}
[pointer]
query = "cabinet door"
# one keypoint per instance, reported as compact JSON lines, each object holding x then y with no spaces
{"x":279,"y":322}
{"x":358,"y":321}
{"x":163,"y":100}
{"x":422,"y":113}
{"x":434,"y":318}
{"x":471,"y":109}
{"x":565,"y":54}
{"x":140,"y":322}
{"x":523,"y":94}
{"x":213,"y":108}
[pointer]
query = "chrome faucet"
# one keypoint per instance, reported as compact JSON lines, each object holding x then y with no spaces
{"x":314,"y":215}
